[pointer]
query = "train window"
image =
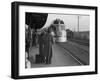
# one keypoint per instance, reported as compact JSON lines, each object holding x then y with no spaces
{"x":62,"y":27}
{"x":59,"y":33}
{"x":56,"y":22}
{"x":61,"y":22}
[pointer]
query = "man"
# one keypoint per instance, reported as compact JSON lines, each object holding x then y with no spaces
{"x":41,"y":39}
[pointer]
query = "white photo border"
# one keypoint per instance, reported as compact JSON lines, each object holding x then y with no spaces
{"x":54,"y":70}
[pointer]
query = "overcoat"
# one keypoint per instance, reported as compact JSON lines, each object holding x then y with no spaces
{"x":48,"y":47}
{"x":41,"y":44}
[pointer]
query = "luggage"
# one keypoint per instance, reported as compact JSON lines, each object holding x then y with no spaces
{"x":39,"y":59}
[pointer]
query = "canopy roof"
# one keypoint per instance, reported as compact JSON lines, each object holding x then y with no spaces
{"x":36,"y":20}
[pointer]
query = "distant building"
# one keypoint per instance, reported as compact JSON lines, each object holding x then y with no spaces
{"x":69,"y":33}
{"x":81,"y":35}
{"x":60,"y":30}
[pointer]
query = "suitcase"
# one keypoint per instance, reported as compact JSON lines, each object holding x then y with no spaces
{"x":39,"y":59}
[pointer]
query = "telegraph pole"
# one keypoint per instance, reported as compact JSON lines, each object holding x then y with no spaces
{"x":78,"y":22}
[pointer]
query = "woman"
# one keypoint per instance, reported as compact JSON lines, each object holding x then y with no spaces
{"x":48,"y":41}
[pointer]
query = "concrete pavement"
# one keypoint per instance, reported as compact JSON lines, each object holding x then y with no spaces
{"x":60,"y":58}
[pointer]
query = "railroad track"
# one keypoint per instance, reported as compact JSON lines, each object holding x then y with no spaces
{"x":87,"y":52}
{"x":72,"y":54}
{"x":80,"y":42}
{"x":68,"y":52}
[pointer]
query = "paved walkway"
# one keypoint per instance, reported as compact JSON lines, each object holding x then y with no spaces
{"x":60,"y":58}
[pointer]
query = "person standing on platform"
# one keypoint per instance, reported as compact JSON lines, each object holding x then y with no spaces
{"x":27,"y":40}
{"x":41,"y":39}
{"x":48,"y":41}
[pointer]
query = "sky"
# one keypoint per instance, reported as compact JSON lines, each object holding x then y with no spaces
{"x":71,"y":21}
